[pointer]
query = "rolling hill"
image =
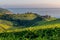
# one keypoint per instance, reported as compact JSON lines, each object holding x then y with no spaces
{"x":24,"y":20}
{"x":28,"y":26}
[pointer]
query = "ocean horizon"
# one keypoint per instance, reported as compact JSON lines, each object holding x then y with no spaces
{"x":54,"y":12}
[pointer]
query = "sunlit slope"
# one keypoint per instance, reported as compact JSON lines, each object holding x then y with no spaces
{"x":26,"y":16}
{"x":5,"y":25}
{"x":46,"y":25}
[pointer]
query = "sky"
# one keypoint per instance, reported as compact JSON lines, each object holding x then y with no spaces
{"x":30,"y":3}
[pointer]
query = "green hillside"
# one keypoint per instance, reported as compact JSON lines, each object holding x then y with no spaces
{"x":26,"y":20}
{"x":49,"y":30}
{"x":28,"y":26}
{"x":5,"y":11}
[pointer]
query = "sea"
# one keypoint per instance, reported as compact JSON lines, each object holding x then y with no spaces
{"x":54,"y":12}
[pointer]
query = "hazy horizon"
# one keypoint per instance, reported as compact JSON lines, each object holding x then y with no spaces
{"x":29,"y":3}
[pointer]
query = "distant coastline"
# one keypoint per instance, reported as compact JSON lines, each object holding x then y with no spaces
{"x":54,"y":12}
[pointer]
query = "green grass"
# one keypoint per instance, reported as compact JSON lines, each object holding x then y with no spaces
{"x":42,"y":34}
